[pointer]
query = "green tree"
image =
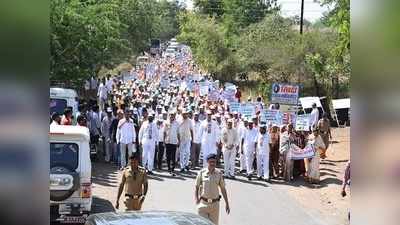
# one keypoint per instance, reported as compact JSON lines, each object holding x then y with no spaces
{"x":83,"y":37}
{"x":213,"y":8}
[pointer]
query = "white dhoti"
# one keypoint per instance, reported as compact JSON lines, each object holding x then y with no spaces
{"x":207,"y":148}
{"x":148,"y":154}
{"x":249,"y":154}
{"x":184,"y":153}
{"x":263,"y":165}
{"x":229,"y":161}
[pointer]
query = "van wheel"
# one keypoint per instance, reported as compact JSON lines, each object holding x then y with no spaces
{"x":64,"y":194}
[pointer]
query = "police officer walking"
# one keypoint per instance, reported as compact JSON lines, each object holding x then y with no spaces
{"x":206,"y":192}
{"x":134,"y":179}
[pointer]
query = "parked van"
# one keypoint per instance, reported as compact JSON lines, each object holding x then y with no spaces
{"x":60,"y":98}
{"x":70,"y":174}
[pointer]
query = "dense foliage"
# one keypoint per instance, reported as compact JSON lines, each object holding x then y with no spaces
{"x":250,"y":37}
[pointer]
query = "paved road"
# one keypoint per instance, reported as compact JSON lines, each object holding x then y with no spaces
{"x":252,"y":202}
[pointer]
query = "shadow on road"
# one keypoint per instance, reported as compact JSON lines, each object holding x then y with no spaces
{"x":105,"y":175}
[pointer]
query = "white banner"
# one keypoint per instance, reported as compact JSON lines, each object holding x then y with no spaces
{"x":297,"y":153}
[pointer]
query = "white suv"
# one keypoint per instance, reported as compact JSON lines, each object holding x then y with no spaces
{"x":70,"y":174}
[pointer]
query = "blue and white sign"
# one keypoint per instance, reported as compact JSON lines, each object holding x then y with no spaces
{"x":285,"y":94}
{"x":302,"y":122}
{"x":248,"y":110}
{"x":271,"y":116}
{"x":234,"y":107}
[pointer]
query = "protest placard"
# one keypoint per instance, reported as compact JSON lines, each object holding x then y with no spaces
{"x":229,"y":95}
{"x":301,"y":153}
{"x":248,"y":110}
{"x":203,"y":88}
{"x":289,"y":117}
{"x":213,"y":95}
{"x":234,"y":107}
{"x":286,"y":94}
{"x":302,"y":122}
{"x":271,"y":116}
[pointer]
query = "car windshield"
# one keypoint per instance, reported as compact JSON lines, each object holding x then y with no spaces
{"x":57,"y":105}
{"x":64,"y":155}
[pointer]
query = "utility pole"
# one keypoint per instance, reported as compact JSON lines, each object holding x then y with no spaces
{"x":302,"y":17}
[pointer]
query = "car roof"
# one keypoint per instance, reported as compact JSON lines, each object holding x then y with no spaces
{"x":68,"y":131}
{"x":62,"y":92}
{"x":148,"y":217}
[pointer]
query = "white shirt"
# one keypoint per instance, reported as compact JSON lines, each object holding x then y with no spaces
{"x":209,"y":131}
{"x":109,"y":85}
{"x":263,"y":144}
{"x":314,"y":117}
{"x":126,"y":132}
{"x":148,"y":132}
{"x":230,"y":137}
{"x":171,"y":132}
{"x":184,"y":130}
{"x":196,"y":132}
{"x":250,"y":138}
{"x":54,"y":123}
{"x":161,"y":129}
{"x":102,"y":92}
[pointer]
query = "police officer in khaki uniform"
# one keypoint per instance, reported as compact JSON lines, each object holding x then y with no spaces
{"x":207,"y":194}
{"x":134,"y":179}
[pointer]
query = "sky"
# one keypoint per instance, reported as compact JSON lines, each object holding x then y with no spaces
{"x":312,"y":10}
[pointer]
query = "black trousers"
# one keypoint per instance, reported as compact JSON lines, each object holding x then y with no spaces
{"x":171,"y":151}
{"x":159,"y":156}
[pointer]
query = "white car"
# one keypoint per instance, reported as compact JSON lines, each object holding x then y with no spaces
{"x":169,"y":53}
{"x":61,"y":98}
{"x":70,"y":174}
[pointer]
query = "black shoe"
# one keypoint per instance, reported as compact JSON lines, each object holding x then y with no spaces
{"x":187,"y":168}
{"x":182,"y":170}
{"x":233,"y":177}
{"x":248,"y":177}
{"x":268,"y":180}
{"x":259,"y":178}
{"x":173,"y":174}
{"x":150,"y":173}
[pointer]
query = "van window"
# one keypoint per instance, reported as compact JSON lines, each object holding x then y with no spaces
{"x":57,"y":105}
{"x":64,"y":154}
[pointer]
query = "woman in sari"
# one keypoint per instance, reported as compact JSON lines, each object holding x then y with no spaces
{"x":313,"y":166}
{"x":325,"y":132}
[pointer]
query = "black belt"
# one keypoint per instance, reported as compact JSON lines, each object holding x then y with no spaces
{"x":210,"y":200}
{"x":133,"y":196}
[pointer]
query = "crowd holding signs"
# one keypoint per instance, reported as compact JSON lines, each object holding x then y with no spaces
{"x":176,"y":94}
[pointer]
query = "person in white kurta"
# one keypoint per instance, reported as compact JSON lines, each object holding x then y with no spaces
{"x":314,"y":117}
{"x":242,"y":127}
{"x":249,"y":147}
{"x":185,"y":137}
{"x":263,"y":153}
{"x":230,"y":140}
{"x":209,"y":137}
{"x":148,"y":137}
{"x":126,"y":137}
{"x":313,"y":168}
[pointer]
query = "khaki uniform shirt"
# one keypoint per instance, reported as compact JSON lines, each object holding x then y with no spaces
{"x":134,"y":180}
{"x":209,"y":183}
